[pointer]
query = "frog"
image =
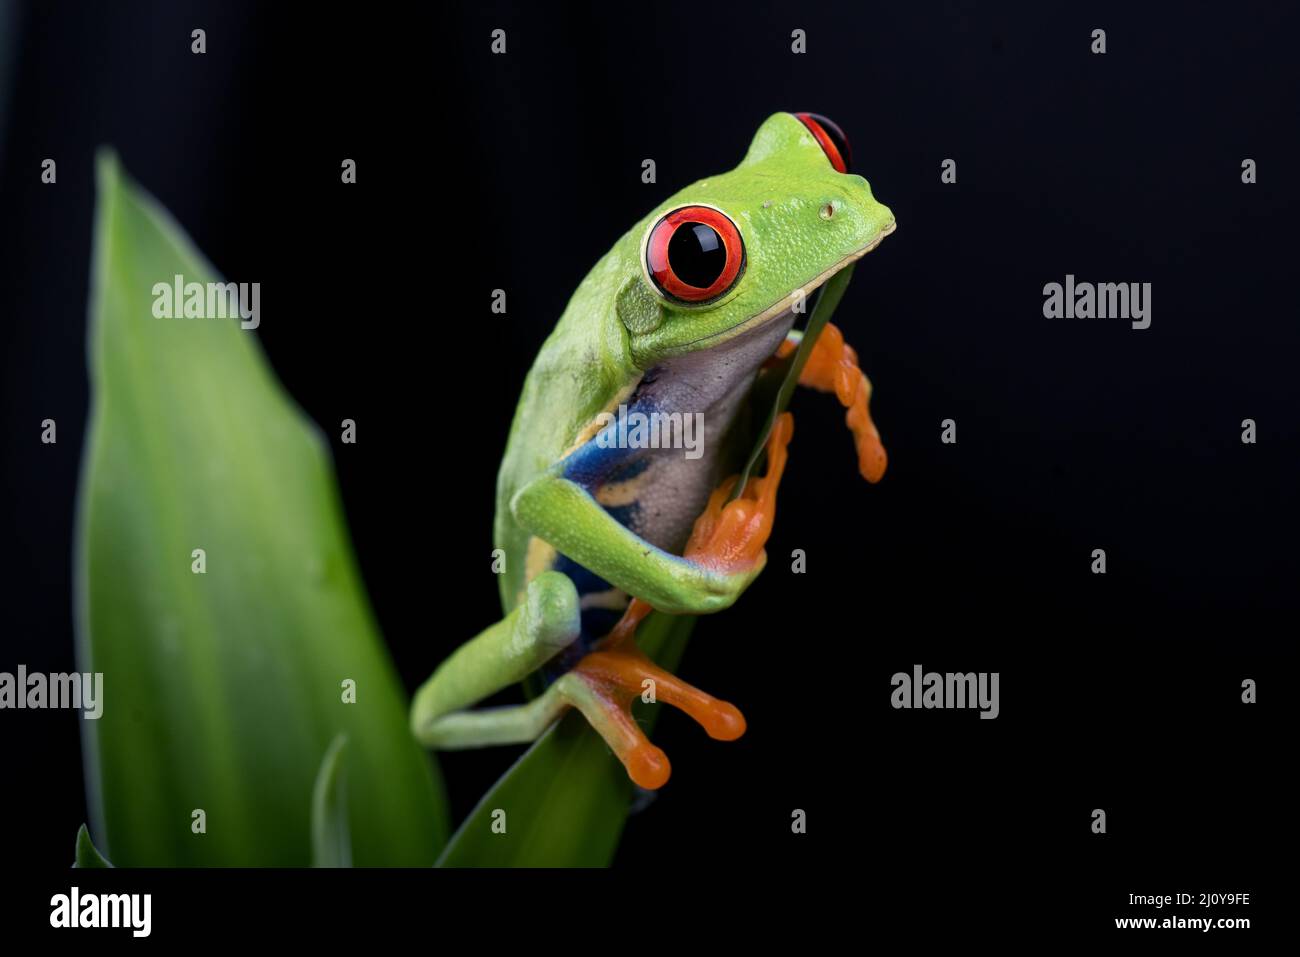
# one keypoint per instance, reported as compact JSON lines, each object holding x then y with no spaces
{"x":684,"y":316}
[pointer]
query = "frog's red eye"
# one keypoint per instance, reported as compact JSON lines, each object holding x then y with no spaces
{"x":695,"y":254}
{"x":832,"y":139}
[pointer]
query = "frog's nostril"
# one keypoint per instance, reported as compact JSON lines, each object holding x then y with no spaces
{"x":831,"y":138}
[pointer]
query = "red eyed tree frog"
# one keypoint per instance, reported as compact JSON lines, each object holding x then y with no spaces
{"x":679,"y":317}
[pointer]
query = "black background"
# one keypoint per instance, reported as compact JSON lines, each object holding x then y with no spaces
{"x":478,"y":172}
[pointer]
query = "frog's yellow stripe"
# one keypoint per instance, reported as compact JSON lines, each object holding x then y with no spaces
{"x":627,"y":492}
{"x":539,"y":557}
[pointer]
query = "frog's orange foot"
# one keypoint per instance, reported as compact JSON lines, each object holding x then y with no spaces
{"x":730,"y":533}
{"x":833,"y":367}
{"x":604,"y":685}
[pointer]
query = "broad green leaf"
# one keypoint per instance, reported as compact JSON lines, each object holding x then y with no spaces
{"x":566,"y":799}
{"x":331,"y":845}
{"x":223,"y":689}
{"x":87,"y":855}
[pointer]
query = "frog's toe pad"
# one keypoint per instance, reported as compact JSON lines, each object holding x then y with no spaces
{"x":604,"y":686}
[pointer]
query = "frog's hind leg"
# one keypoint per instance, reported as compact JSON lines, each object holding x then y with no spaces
{"x":542,"y":625}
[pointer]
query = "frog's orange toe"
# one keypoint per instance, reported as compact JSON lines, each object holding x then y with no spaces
{"x":724,"y":722}
{"x":833,"y":367}
{"x":871,"y":451}
{"x":872,"y":461}
{"x":648,"y":767}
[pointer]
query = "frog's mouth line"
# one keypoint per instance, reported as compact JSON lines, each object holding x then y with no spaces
{"x":784,"y":305}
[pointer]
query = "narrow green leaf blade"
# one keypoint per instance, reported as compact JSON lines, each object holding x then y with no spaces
{"x":827,"y":300}
{"x":222,"y":689}
{"x":87,"y":855}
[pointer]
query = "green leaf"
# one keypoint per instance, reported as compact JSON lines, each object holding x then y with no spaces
{"x":87,"y":855}
{"x":331,"y":844}
{"x":222,"y":689}
{"x":566,"y":799}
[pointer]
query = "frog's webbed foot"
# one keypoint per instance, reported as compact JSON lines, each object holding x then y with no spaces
{"x":833,"y":367}
{"x":730,"y":534}
{"x":604,"y":685}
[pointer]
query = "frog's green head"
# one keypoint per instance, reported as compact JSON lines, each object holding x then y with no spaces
{"x":734,"y":251}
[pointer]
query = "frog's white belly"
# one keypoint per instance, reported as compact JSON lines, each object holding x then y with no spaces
{"x":711,"y":386}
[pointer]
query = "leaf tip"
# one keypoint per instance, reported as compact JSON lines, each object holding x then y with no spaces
{"x":108,"y":168}
{"x":87,"y":855}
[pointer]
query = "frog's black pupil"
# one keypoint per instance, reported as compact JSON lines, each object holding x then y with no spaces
{"x":697,"y":254}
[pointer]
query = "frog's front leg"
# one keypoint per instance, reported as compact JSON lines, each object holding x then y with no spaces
{"x":833,"y":367}
{"x":566,"y":516}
